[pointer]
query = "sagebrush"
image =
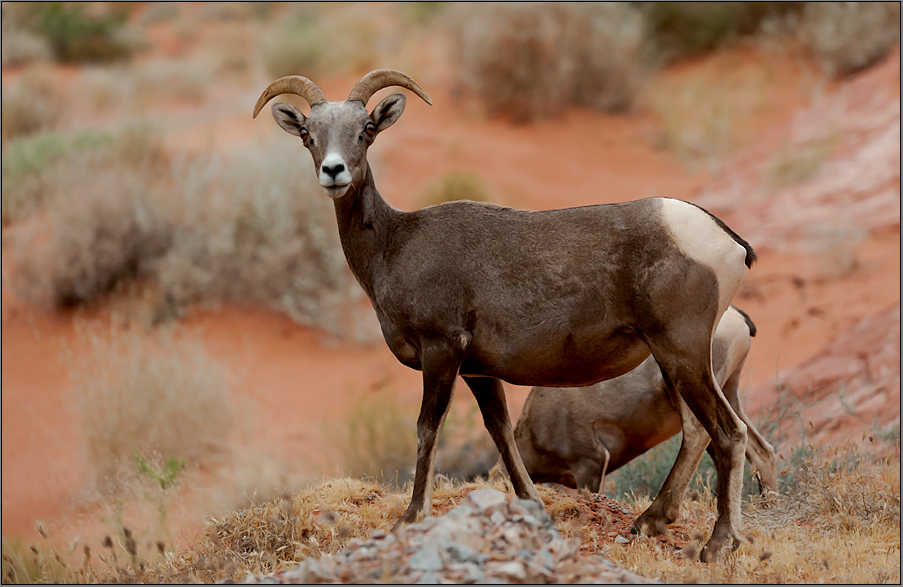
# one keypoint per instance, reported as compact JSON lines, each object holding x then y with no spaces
{"x":526,"y":61}
{"x":148,"y":393}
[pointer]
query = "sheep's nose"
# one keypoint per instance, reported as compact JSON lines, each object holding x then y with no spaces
{"x":334,"y":170}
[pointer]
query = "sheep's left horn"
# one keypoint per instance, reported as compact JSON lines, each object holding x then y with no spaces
{"x":383,"y":78}
{"x":291,"y":84}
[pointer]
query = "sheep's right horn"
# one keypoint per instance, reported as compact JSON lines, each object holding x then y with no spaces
{"x":291,"y":84}
{"x":383,"y":78}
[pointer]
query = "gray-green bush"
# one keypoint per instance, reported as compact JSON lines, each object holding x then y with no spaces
{"x":154,"y":393}
{"x":246,"y":226}
{"x":849,"y":36}
{"x":525,"y":60}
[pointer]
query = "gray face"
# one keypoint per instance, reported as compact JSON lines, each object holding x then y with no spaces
{"x":338,"y":134}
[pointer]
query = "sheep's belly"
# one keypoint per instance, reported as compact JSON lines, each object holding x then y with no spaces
{"x":558,"y":363}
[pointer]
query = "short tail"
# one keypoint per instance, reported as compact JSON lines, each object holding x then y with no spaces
{"x":749,"y":322}
{"x":750,"y":253}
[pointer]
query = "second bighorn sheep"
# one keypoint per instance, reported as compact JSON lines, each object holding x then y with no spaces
{"x":575,"y":436}
{"x":559,"y":298}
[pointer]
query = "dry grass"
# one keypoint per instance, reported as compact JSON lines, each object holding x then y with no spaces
{"x":839,"y":525}
{"x":155,"y":393}
{"x":378,"y":440}
{"x":527,"y":61}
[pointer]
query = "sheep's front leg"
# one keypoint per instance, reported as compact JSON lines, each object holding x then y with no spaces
{"x":490,"y":396}
{"x":440,"y":369}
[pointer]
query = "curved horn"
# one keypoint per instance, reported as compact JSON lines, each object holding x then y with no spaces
{"x":291,"y":84}
{"x":383,"y":78}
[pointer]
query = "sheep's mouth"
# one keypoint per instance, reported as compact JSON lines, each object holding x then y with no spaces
{"x":336,"y":190}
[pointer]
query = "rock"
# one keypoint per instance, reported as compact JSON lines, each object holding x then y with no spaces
{"x":482,"y":499}
{"x":486,"y":539}
{"x":621,"y":539}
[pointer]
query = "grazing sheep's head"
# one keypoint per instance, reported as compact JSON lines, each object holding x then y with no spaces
{"x":337,"y":134}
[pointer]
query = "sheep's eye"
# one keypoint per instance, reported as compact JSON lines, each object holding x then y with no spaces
{"x":303,"y":134}
{"x":370,"y":129}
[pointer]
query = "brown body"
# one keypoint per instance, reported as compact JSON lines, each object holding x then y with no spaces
{"x":574,"y":436}
{"x":557,"y":298}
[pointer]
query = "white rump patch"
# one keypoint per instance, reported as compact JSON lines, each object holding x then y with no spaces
{"x":700,"y":238}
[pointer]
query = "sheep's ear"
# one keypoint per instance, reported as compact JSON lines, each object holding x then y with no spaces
{"x":289,"y":118}
{"x":388,"y":111}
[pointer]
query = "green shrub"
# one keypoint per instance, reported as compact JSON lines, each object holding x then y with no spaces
{"x":76,"y":34}
{"x":681,"y":29}
{"x":849,"y":36}
{"x":21,"y":47}
{"x":526,"y":61}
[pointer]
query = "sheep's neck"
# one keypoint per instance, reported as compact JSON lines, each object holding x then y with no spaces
{"x":365,"y":222}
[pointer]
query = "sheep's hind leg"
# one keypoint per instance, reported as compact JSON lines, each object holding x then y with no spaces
{"x":440,"y":368}
{"x":490,"y":396}
{"x":666,"y":507}
{"x":689,"y":373}
{"x":759,"y":451}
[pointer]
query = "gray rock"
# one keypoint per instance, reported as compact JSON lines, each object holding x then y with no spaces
{"x":485,"y":498}
{"x":427,"y":559}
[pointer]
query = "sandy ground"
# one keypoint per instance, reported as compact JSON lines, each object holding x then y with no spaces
{"x":290,"y":381}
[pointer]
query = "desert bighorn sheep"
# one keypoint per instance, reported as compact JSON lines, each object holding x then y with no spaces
{"x":575,"y":435}
{"x":560,"y":297}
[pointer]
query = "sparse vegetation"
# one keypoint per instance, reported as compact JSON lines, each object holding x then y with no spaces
{"x":155,"y":393}
{"x":193,"y":228}
{"x":107,"y":208}
{"x":31,"y":105}
{"x":378,"y":440}
{"x":456,"y":185}
{"x":682,"y":29}
{"x":849,"y":36}
{"x":77,"y":33}
{"x":318,"y":40}
{"x":527,"y":61}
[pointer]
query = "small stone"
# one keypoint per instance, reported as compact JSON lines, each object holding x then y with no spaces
{"x":427,"y":559}
{"x":485,"y":498}
{"x":379,"y":534}
{"x":621,"y":539}
{"x":513,"y":569}
{"x":461,"y":553}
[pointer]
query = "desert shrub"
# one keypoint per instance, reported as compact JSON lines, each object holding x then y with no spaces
{"x":77,"y":33}
{"x":378,"y":440}
{"x":40,"y":168}
{"x":253,"y":226}
{"x":456,"y":185}
{"x":171,"y":78}
{"x":19,"y":46}
{"x":155,"y":393}
{"x":849,"y":36}
{"x":316,"y":41}
{"x":31,"y":105}
{"x":681,"y":29}
{"x":525,"y":61}
{"x":246,"y":227}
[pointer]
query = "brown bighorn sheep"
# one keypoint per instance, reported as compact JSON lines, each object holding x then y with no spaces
{"x":560,"y":297}
{"x":574,"y":436}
